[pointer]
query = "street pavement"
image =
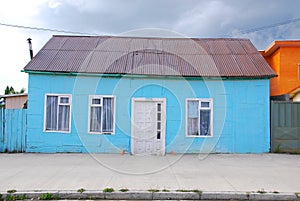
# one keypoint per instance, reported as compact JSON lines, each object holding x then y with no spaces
{"x":212,"y":172}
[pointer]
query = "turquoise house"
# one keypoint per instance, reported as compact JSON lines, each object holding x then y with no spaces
{"x":102,"y":94}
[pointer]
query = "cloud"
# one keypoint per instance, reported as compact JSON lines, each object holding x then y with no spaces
{"x":190,"y":17}
{"x":206,"y":19}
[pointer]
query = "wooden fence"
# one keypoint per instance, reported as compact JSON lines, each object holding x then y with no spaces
{"x":285,"y":126}
{"x":13,"y":130}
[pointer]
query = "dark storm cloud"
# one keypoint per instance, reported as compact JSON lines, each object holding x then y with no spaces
{"x":193,"y":18}
{"x":114,"y":16}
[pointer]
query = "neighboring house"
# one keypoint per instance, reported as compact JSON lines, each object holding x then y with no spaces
{"x":284,"y":58}
{"x":15,"y":101}
{"x":295,"y":94}
{"x":148,"y":96}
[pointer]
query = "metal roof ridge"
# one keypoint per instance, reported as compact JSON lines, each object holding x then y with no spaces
{"x":149,"y":37}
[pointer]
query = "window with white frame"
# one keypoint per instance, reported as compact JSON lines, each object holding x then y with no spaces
{"x":199,"y":117}
{"x":57,"y":112}
{"x":101,"y":114}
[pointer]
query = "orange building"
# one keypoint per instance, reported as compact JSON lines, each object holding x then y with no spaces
{"x":284,"y":58}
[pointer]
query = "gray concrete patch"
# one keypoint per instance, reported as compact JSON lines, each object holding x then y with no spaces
{"x":84,"y":195}
{"x":224,"y":195}
{"x":132,"y":195}
{"x":273,"y":196}
{"x":176,"y":196}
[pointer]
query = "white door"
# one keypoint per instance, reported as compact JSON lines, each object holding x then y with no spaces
{"x":148,"y":126}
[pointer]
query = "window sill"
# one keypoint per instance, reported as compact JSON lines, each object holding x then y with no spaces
{"x":100,"y":133}
{"x":199,"y":136}
{"x":56,"y":131}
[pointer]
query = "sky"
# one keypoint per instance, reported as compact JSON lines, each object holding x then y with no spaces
{"x":262,"y":21}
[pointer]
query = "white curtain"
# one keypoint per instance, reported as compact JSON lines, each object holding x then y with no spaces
{"x":95,"y":119}
{"x":108,"y":118}
{"x":193,"y":117}
{"x":63,"y":117}
{"x":51,"y":112}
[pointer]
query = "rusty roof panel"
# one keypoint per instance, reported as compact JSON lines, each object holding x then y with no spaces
{"x":151,"y":56}
{"x":235,"y":47}
{"x":200,"y":64}
{"x":137,"y":44}
{"x":170,"y":64}
{"x":42,"y":60}
{"x":182,"y":46}
{"x":121,"y":65}
{"x":60,"y":62}
{"x":155,"y":44}
{"x":89,"y":43}
{"x":248,"y":47}
{"x":78,"y":61}
{"x":230,"y":67}
{"x":218,"y":47}
{"x":204,"y":46}
{"x":262,"y":66}
{"x":246,"y":65}
{"x":113,"y":45}
{"x":54,"y":44}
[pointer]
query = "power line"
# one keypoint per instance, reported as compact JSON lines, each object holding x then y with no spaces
{"x":266,"y":27}
{"x":85,"y":33}
{"x":45,"y":29}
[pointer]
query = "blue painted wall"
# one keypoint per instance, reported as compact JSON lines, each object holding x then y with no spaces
{"x":241,"y":113}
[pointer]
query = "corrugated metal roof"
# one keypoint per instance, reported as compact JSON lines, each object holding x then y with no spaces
{"x":151,"y":56}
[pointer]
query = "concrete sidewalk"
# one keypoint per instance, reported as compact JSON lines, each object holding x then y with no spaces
{"x":214,"y":172}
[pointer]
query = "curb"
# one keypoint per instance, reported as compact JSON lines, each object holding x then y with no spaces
{"x":145,"y":195}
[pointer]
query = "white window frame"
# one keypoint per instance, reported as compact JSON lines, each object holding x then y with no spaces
{"x":45,"y":111}
{"x":91,"y":97}
{"x":210,"y":100}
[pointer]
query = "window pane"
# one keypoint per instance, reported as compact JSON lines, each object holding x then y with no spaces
{"x":64,"y":118}
{"x":64,"y":100}
{"x":158,"y":116}
{"x":51,"y":112}
{"x":158,"y":125}
{"x":204,"y":104}
{"x":158,"y":107}
{"x":108,"y":112}
{"x":193,"y":117}
{"x":96,"y":101}
{"x":204,"y":122}
{"x":193,"y":126}
{"x":158,"y":135}
{"x":95,"y":119}
{"x":193,"y":109}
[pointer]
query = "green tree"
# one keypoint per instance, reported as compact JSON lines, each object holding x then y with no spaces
{"x":11,"y":90}
{"x":7,"y":91}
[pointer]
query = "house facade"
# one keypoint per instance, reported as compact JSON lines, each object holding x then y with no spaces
{"x":148,"y":96}
{"x":15,"y":101}
{"x":284,"y":58}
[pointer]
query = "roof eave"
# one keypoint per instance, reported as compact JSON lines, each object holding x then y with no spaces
{"x":280,"y":43}
{"x":147,"y":76}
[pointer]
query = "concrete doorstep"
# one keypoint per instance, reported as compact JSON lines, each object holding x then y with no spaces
{"x":146,"y":195}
